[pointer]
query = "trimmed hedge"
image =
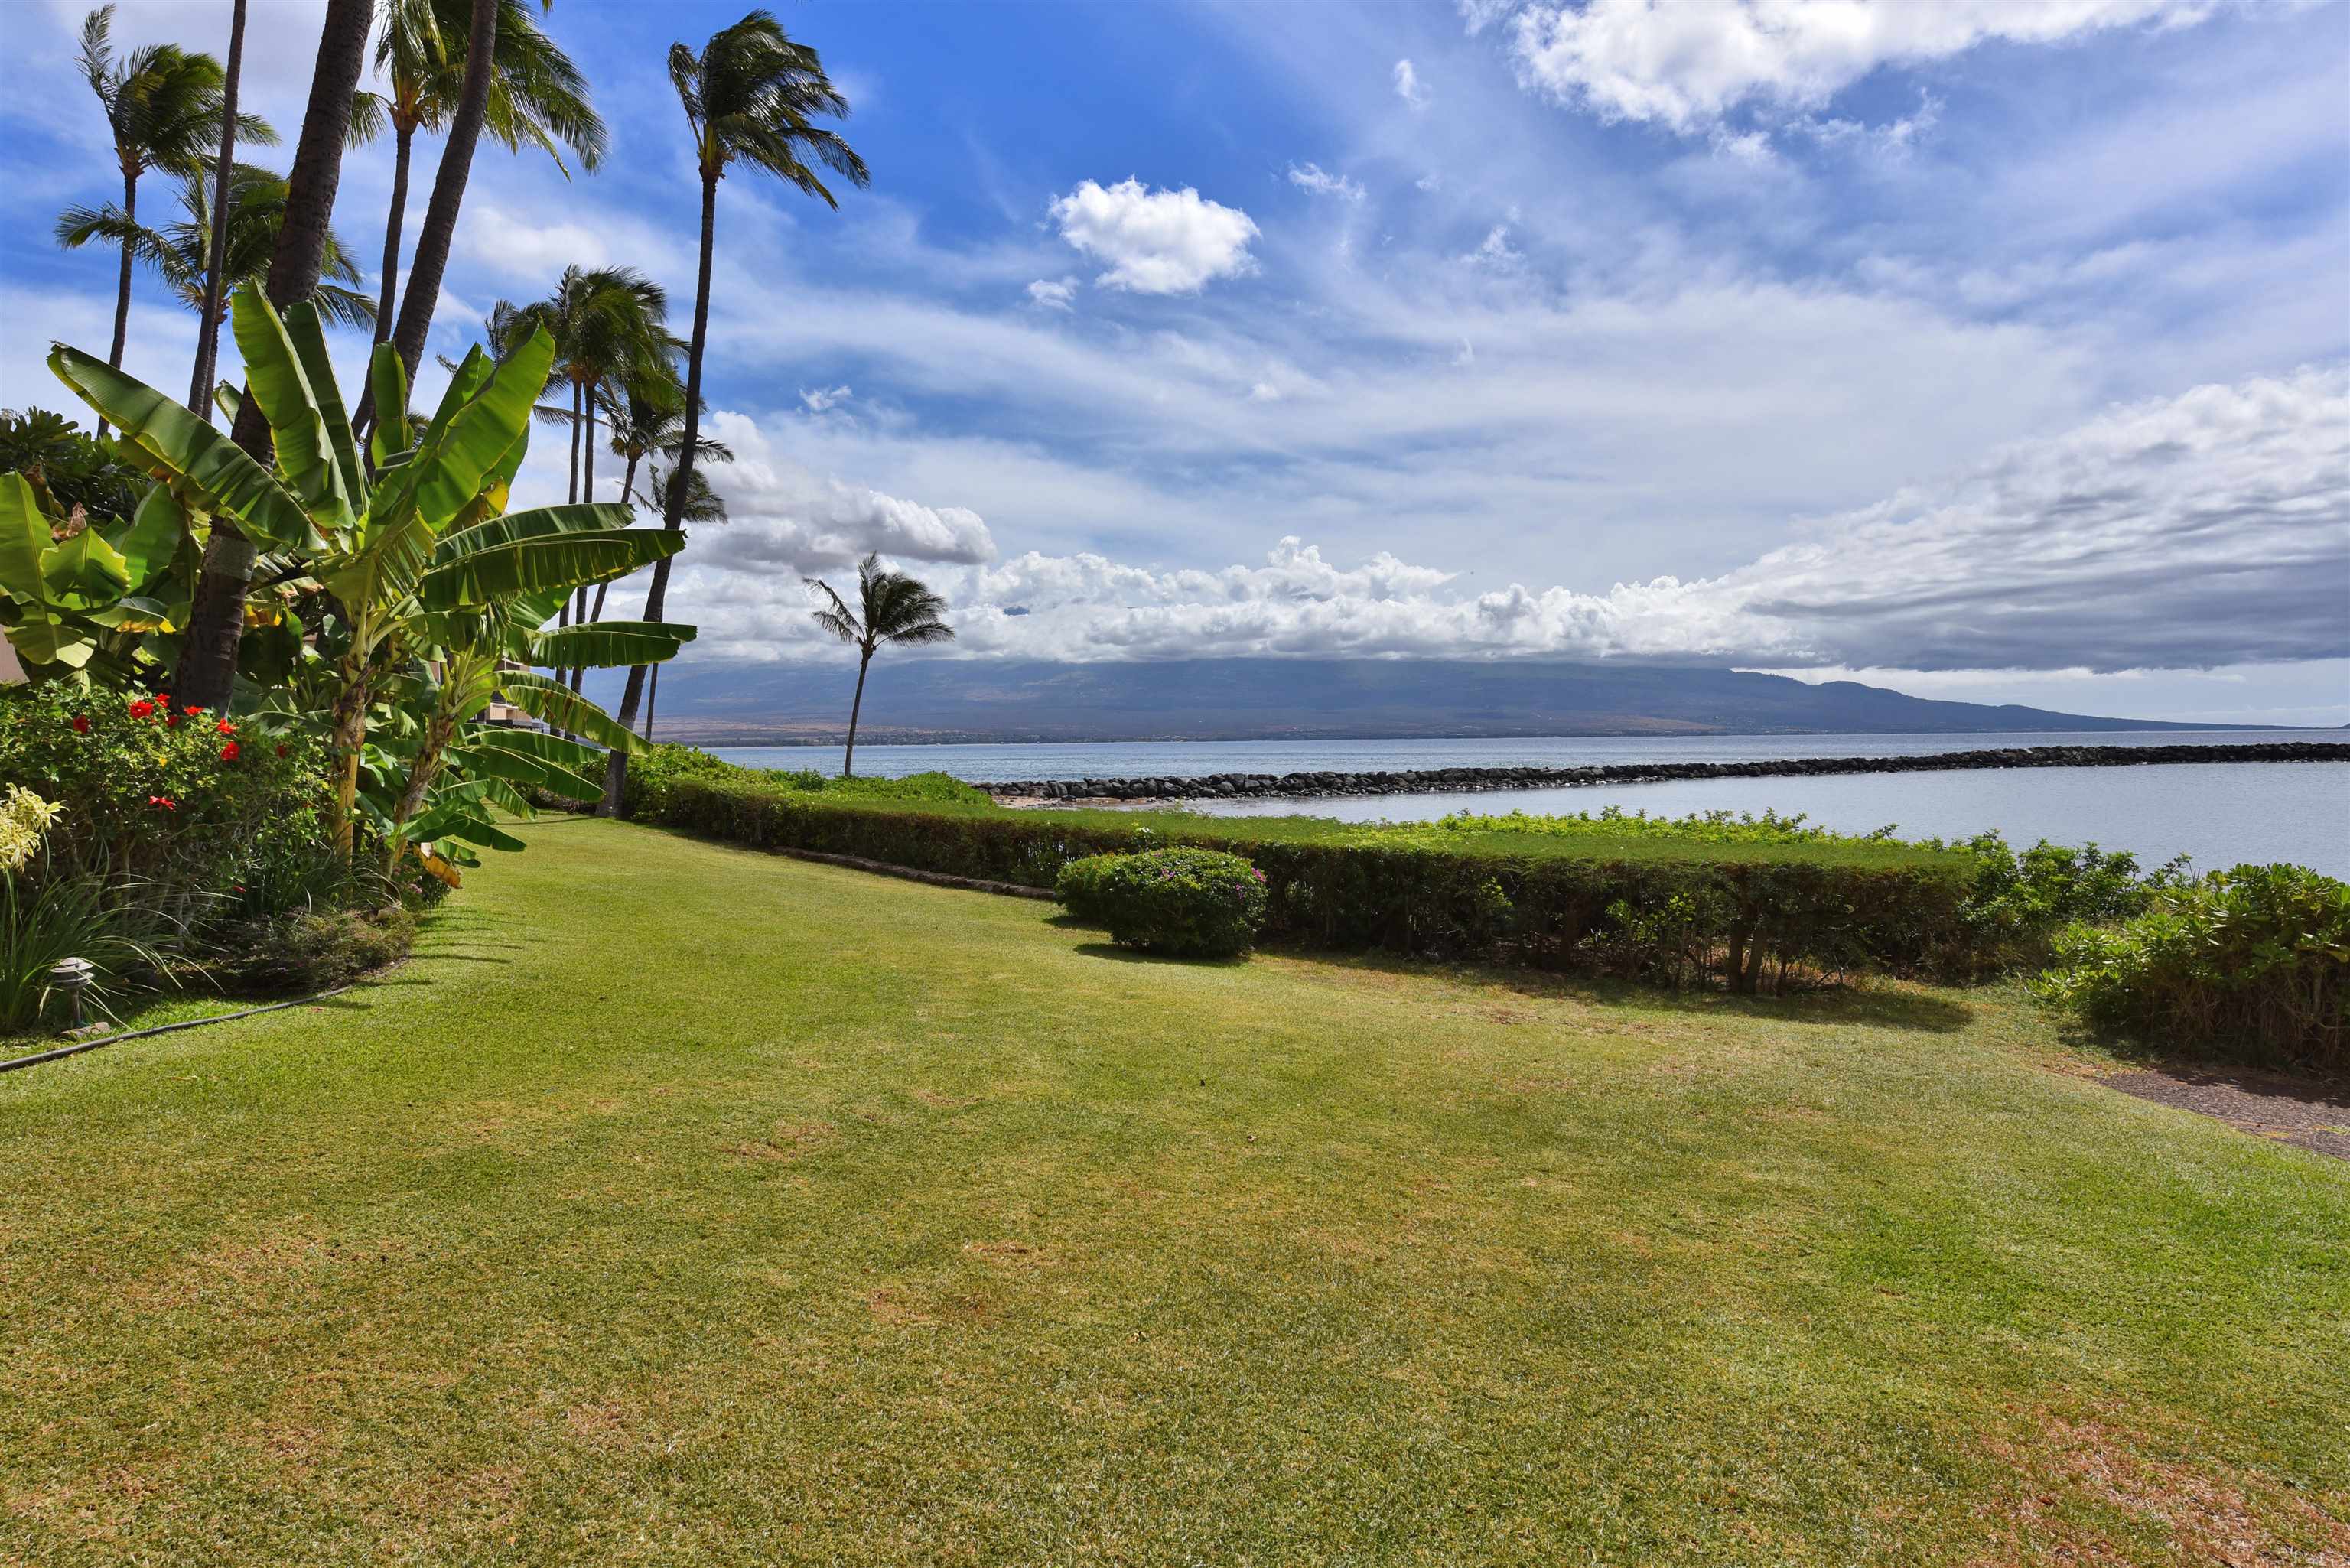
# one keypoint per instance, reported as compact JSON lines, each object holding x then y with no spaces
{"x":1756,"y":914}
{"x":1197,"y":903}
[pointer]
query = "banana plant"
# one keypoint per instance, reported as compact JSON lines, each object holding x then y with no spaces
{"x":420,"y":566}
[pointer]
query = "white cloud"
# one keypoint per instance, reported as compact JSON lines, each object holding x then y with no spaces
{"x":1312,"y":177}
{"x":1156,"y":242}
{"x":1053,"y":294}
{"x":2209,"y":529}
{"x":786,"y":520}
{"x":824,"y":399}
{"x":1685,"y":65}
{"x":1495,"y":250}
{"x":1408,"y":86}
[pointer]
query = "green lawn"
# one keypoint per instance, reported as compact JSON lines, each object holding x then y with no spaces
{"x":681,"y":1204}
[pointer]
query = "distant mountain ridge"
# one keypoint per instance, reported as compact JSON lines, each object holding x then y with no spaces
{"x":938,"y":699}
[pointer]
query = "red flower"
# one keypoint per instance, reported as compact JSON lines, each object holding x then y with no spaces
{"x":191,"y":713}
{"x":228,"y":753}
{"x":165,"y":801}
{"x":171,"y":721}
{"x":163,"y":700}
{"x":224,"y":728}
{"x":142,"y":709}
{"x":281,"y":748}
{"x":82,"y":724}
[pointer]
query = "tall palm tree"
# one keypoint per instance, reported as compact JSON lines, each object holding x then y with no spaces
{"x":164,"y":107}
{"x":243,"y":239}
{"x":536,"y":98}
{"x":750,"y":97}
{"x":207,"y":664}
{"x":703,"y":504}
{"x":608,"y":324}
{"x":890,"y":607}
{"x":208,"y":314}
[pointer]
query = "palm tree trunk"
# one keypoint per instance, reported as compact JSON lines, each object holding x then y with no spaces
{"x":573,"y":472}
{"x":587,"y":488}
{"x":122,"y":278}
{"x":856,"y":706}
{"x":672,"y":504}
{"x":440,"y":229}
{"x":403,"y":144}
{"x":216,"y":619}
{"x":652,"y":701}
{"x":208,"y":319}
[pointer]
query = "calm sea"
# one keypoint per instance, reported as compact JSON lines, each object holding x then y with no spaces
{"x":2219,"y":813}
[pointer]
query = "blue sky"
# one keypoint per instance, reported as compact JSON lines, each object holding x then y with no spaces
{"x":1998,"y":350}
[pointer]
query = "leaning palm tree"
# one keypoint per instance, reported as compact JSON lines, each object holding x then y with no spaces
{"x":703,"y":504}
{"x":751,"y":97}
{"x":164,"y":111}
{"x":536,"y":98}
{"x":891,"y":608}
{"x":608,"y":324}
{"x":180,"y":252}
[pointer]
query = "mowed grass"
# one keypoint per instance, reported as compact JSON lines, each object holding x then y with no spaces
{"x":681,"y":1204}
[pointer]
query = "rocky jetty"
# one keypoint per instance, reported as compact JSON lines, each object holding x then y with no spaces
{"x":1447,"y":781}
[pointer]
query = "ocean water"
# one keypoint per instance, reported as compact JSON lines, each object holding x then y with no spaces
{"x":2218,"y":813}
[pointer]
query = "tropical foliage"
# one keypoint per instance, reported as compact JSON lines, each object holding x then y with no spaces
{"x":1188,"y":903}
{"x":398,"y":597}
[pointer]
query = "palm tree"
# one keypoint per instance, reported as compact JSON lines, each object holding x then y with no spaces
{"x":181,"y":253}
{"x":537,"y":98}
{"x":215,"y":626}
{"x":703,"y":504}
{"x":213,"y":305}
{"x":750,"y":97}
{"x":164,"y":109}
{"x":891,"y":608}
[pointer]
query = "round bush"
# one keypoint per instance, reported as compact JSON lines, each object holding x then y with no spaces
{"x":1197,"y":903}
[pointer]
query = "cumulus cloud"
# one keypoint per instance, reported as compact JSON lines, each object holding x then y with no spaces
{"x":2209,"y":529}
{"x":1312,"y":177}
{"x":1053,"y":294}
{"x":785,"y":519}
{"x":1156,"y":242}
{"x":1688,"y":66}
{"x":1408,"y":86}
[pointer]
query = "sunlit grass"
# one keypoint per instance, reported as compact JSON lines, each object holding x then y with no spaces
{"x":684,"y":1204}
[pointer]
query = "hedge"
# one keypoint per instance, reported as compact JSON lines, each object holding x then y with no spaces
{"x":1755,"y":915}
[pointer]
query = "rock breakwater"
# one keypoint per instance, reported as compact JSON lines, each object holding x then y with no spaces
{"x":1447,"y":781}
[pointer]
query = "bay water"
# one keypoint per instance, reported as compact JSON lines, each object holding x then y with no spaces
{"x":2218,"y":813}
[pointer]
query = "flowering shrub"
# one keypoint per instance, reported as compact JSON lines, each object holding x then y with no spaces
{"x":1194,"y":902}
{"x":2252,"y":963}
{"x":188,"y":801}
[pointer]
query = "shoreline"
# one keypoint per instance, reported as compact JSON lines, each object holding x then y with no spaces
{"x":1049,"y":793}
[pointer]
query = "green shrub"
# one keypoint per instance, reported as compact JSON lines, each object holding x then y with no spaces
{"x":1758,"y":914}
{"x":309,"y":949}
{"x":1197,"y":903}
{"x":2251,"y":964}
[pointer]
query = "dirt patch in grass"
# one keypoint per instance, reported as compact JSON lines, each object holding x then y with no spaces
{"x":2084,"y":1487}
{"x":2288,"y":1110}
{"x":787,"y":1142}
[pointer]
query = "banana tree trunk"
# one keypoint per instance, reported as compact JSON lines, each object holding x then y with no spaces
{"x":345,"y":740}
{"x":207,"y":664}
{"x":440,"y":229}
{"x":615,"y":769}
{"x":200,"y":380}
{"x":422,"y":773}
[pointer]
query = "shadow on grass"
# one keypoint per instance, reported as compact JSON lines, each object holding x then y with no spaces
{"x":1135,"y":955}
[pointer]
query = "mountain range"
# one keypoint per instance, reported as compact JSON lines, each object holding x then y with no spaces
{"x":937,"y":699}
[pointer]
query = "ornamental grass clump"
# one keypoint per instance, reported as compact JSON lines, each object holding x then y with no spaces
{"x":1192,"y":903}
